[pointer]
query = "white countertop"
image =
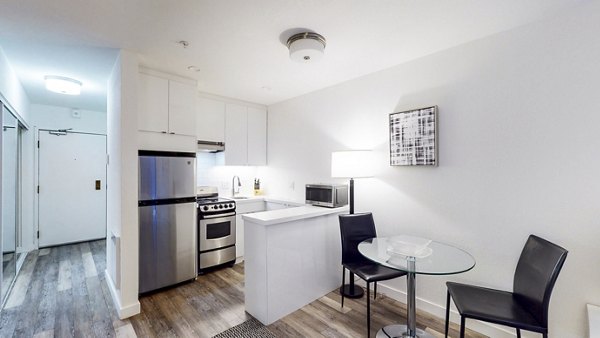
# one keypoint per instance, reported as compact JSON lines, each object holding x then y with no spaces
{"x":290,"y":214}
{"x":246,"y":199}
{"x":252,"y":199}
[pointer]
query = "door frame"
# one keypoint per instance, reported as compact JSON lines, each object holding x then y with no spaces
{"x":36,"y":175}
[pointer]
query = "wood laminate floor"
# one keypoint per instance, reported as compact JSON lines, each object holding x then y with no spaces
{"x":61,"y":292}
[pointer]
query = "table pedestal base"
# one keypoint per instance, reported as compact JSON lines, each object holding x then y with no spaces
{"x":393,"y":331}
{"x":352,"y":291}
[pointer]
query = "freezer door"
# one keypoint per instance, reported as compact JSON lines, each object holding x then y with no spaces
{"x":167,"y":245}
{"x":164,"y":177}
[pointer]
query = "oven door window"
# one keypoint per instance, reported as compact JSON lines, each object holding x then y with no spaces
{"x":218,"y":230}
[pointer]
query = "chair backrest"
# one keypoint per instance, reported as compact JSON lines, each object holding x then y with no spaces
{"x":535,"y":275}
{"x":354,"y":229}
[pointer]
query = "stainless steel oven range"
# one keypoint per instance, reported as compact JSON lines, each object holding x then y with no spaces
{"x":216,"y":231}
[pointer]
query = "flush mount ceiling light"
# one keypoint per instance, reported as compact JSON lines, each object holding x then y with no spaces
{"x":306,"y":47}
{"x":63,"y":85}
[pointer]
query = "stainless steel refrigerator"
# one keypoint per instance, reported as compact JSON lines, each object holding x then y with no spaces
{"x":167,"y":218}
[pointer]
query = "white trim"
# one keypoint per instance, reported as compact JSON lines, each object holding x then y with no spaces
{"x":36,"y":182}
{"x":13,"y":111}
{"x":231,"y":100}
{"x":172,"y":77}
{"x":487,"y":329}
{"x":593,"y":320}
{"x":122,"y":311}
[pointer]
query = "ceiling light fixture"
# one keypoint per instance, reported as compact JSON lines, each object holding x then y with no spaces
{"x":306,"y":47}
{"x":63,"y":85}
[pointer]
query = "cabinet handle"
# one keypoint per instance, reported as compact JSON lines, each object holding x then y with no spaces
{"x":164,"y":132}
{"x":172,"y":133}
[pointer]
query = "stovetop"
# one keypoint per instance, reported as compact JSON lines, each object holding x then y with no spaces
{"x":215,"y":205}
{"x":212,"y":200}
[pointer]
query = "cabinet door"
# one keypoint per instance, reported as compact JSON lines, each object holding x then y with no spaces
{"x":239,"y":236}
{"x":236,"y":135}
{"x":153,"y":103}
{"x":210,"y":120}
{"x":257,"y":136}
{"x":182,"y":108}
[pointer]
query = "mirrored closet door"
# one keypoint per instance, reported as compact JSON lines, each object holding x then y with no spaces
{"x":11,"y":130}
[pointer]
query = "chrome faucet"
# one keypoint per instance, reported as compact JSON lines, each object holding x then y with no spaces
{"x":239,"y":184}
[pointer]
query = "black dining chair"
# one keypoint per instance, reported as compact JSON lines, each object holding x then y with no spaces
{"x":355,"y":228}
{"x":526,"y":308}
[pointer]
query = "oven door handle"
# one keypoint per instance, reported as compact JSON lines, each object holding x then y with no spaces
{"x":218,"y":215}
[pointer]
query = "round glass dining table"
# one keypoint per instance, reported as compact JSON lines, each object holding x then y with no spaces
{"x":441,"y":259}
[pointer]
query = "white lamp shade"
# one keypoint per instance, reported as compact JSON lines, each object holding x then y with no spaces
{"x":351,"y":164}
{"x":306,"y":50}
{"x":63,"y":85}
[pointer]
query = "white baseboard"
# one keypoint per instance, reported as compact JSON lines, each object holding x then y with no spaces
{"x":438,"y":310}
{"x":123,"y":311}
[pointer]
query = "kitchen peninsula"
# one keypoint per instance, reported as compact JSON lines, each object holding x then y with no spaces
{"x":292,"y":257}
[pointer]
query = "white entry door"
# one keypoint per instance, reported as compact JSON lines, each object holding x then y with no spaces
{"x":72,"y":187}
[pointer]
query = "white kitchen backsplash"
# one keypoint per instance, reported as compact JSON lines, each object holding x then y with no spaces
{"x":212,"y":172}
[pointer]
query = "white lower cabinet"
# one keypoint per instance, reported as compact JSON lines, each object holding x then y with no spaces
{"x":239,"y":236}
{"x":245,"y":207}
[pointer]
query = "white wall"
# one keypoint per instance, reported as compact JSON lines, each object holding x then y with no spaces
{"x":122,"y":219}
{"x":519,"y":117}
{"x":212,"y":172}
{"x":53,"y":117}
{"x":11,"y":89}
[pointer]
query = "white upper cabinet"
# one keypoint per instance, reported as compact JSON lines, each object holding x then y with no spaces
{"x":166,"y":106}
{"x":182,"y":108}
{"x":153,"y":104}
{"x":245,"y":135}
{"x":257,"y":136}
{"x":236,"y":134}
{"x":210,"y":120}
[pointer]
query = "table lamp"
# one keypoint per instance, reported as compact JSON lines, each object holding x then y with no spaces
{"x":351,"y":164}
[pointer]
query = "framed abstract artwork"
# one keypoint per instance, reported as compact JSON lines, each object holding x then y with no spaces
{"x":413,"y":137}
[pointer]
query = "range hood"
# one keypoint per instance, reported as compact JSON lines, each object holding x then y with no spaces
{"x":210,"y":146}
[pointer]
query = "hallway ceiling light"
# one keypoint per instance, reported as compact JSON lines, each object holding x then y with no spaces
{"x":306,"y":47}
{"x":63,"y":85}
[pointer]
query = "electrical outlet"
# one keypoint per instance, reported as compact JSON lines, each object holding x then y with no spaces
{"x":293,"y":185}
{"x":225,"y":185}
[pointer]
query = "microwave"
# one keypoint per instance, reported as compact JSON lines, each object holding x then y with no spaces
{"x":327,"y":195}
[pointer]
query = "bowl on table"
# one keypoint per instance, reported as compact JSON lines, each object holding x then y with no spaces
{"x":409,"y":246}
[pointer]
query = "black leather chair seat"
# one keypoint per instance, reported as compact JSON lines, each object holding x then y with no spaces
{"x":500,"y":307}
{"x":371,"y":272}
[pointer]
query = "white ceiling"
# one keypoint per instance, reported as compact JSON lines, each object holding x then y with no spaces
{"x":238,"y":45}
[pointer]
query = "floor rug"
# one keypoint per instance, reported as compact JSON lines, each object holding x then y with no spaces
{"x":249,"y":329}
